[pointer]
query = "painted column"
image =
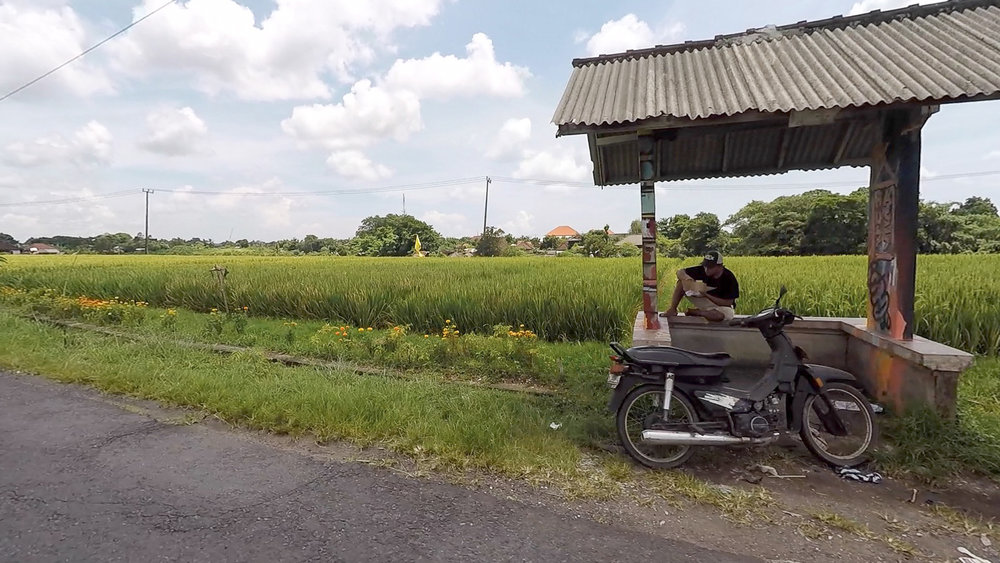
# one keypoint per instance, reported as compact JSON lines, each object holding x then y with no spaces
{"x":647,"y":195}
{"x":893,"y":206}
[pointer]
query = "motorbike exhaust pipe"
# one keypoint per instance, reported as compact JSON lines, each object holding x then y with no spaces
{"x":674,"y":438}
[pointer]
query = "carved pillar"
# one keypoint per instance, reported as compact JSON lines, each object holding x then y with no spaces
{"x":893,"y":206}
{"x":647,"y":195}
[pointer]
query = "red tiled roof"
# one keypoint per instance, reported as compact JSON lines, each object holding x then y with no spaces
{"x":562,"y":231}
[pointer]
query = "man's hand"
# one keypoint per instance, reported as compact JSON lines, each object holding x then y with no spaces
{"x":672,"y":312}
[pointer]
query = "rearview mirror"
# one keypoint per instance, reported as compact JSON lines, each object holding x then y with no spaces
{"x":781,"y":293}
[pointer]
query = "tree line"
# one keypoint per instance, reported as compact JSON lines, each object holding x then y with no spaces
{"x":817,"y":222}
{"x":820,"y":222}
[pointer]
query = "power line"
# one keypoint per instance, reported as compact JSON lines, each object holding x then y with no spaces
{"x":84,"y":199}
{"x":477,"y":180}
{"x":102,"y":42}
{"x":349,"y":191}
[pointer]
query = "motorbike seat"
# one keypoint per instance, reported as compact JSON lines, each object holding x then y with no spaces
{"x":666,"y":355}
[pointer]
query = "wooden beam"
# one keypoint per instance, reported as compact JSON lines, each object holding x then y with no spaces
{"x":616,"y":139}
{"x":845,"y":137}
{"x":726,"y":152}
{"x":783,"y":148}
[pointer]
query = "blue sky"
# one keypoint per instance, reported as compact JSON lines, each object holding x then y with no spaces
{"x":235,"y":112}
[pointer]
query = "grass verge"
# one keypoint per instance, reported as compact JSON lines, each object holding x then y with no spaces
{"x":922,"y":444}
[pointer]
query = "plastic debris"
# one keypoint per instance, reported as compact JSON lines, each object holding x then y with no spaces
{"x":555,"y":425}
{"x":971,"y":557}
{"x":855,"y":475}
{"x":768,"y":470}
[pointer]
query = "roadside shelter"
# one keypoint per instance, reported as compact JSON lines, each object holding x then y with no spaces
{"x":844,"y":91}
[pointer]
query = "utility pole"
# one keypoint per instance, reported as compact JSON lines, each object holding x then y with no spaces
{"x":404,"y":203}
{"x":145,"y":249}
{"x":486,"y":205}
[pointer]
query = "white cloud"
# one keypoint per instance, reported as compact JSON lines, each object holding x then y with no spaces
{"x":450,"y":224}
{"x":866,"y":6}
{"x":630,"y":32}
{"x":286,"y":57}
{"x":35,"y":39}
{"x":557,"y":165}
{"x":992,"y":154}
{"x":90,"y":145}
{"x":365,"y":115}
{"x":174,"y":132}
{"x":443,"y":76}
{"x":354,"y":164}
{"x":510,"y":139}
{"x":927,"y":172}
{"x":523,"y":222}
{"x":272,"y":211}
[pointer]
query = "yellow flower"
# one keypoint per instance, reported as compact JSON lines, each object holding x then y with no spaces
{"x":361,"y":330}
{"x":427,"y":336}
{"x":447,"y":321}
{"x":369,"y":329}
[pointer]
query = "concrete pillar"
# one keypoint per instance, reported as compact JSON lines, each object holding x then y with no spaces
{"x":893,"y":206}
{"x":647,"y":195}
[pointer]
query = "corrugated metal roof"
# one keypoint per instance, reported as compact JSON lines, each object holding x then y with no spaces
{"x":931,"y":54}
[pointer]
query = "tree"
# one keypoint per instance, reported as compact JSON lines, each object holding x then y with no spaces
{"x":311,"y":243}
{"x":701,"y":234}
{"x":4,"y":237}
{"x":976,"y":206}
{"x":816,"y":222}
{"x":493,"y":242}
{"x":551,"y":242}
{"x":672,"y":227}
{"x":635,"y":228}
{"x":836,"y":224}
{"x":393,"y":235}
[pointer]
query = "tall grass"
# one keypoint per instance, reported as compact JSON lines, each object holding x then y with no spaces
{"x":563,"y":298}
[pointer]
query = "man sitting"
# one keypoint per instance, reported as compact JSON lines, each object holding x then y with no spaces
{"x":710,"y":287}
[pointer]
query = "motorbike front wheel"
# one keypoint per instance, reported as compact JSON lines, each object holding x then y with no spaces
{"x":858,"y":417}
{"x":643,"y":410}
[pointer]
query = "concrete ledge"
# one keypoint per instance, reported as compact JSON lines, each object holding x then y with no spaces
{"x":902,"y":373}
{"x":641,"y":336}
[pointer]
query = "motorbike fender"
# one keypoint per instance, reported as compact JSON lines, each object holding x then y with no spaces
{"x":625,"y":384}
{"x":812,"y":377}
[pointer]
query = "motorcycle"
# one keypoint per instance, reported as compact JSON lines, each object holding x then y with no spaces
{"x":669,"y":400}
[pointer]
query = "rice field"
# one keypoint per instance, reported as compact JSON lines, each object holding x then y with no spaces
{"x":957,"y":302}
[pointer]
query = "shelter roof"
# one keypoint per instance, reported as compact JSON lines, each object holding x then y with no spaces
{"x":931,"y":54}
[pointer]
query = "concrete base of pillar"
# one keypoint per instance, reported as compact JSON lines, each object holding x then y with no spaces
{"x":897,"y":373}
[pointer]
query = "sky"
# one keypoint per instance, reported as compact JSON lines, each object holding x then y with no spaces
{"x":273,"y":119}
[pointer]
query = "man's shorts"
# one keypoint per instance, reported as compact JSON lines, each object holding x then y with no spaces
{"x":706,"y":305}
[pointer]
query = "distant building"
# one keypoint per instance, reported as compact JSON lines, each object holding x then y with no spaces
{"x":563,"y":231}
{"x":41,"y":248}
{"x":635,"y":240}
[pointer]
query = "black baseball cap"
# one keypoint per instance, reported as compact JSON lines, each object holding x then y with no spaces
{"x":712,"y":258}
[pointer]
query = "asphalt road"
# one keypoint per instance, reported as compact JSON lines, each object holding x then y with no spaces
{"x":84,"y":480}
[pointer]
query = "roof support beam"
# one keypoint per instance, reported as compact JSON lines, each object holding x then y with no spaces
{"x":847,"y":131}
{"x":783,"y":148}
{"x":726,"y":153}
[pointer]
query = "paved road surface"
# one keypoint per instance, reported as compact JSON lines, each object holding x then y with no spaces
{"x":84,"y":480}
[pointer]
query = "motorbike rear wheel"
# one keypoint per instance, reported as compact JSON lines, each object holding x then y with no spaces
{"x":642,"y":410}
{"x":858,"y":417}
